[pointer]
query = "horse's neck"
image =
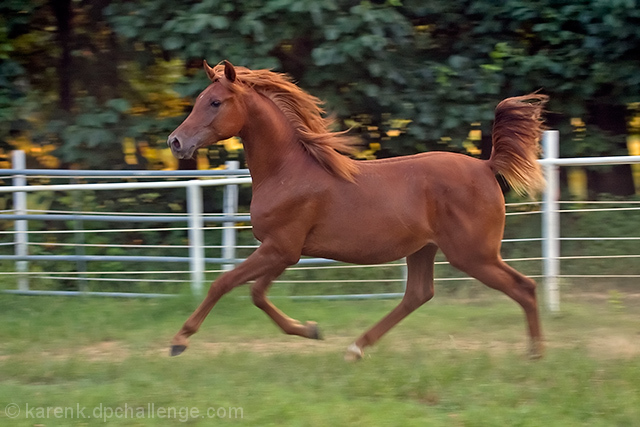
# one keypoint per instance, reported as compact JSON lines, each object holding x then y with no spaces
{"x":270,"y":142}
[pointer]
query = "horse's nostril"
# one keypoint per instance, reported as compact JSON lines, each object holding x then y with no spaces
{"x":174,"y":143}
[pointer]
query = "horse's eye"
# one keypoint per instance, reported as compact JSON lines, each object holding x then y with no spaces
{"x":215,"y":104}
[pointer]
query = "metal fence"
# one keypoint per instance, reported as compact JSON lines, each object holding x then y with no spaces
{"x":194,"y":222}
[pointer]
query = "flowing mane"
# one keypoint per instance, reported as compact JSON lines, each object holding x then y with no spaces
{"x":305,"y":113}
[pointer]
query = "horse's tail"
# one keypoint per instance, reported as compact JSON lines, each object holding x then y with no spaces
{"x":516,"y":142}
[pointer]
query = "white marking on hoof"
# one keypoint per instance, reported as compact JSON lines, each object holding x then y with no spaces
{"x":353,"y":353}
{"x":536,"y":350}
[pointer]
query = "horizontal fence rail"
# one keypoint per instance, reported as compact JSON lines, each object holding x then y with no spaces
{"x":229,"y":222}
{"x":67,"y":173}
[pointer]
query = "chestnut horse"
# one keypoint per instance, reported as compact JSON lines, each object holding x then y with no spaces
{"x":309,"y":199}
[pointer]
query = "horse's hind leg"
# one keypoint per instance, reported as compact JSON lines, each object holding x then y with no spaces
{"x":419,"y":290}
{"x":498,"y":275}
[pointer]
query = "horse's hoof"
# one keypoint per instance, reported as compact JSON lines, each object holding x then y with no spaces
{"x":536,"y":351}
{"x":313,"y":331}
{"x":177,"y":350}
{"x":353,"y":353}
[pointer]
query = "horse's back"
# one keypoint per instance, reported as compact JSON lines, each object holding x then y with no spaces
{"x":441,"y":177}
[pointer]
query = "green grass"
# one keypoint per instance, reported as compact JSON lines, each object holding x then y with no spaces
{"x":451,"y":363}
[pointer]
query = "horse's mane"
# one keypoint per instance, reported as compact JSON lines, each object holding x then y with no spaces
{"x":305,"y":113}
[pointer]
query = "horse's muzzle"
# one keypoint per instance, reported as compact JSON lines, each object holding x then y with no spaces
{"x":178,"y":148}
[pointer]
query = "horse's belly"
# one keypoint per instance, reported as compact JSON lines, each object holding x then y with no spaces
{"x":371,"y":240}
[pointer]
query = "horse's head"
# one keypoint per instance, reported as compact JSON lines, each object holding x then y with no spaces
{"x":217,"y":114}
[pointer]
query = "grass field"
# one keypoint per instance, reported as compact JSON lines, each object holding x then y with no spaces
{"x":454,"y":362}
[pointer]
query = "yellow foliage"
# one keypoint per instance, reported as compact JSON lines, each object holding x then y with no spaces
{"x":232,"y":144}
{"x":399,"y":123}
{"x":468,"y":144}
{"x":154,"y":84}
{"x":369,"y":154}
{"x":129,"y":150}
{"x":138,"y":110}
{"x":577,"y":183}
{"x":42,"y":153}
{"x":471,"y":148}
{"x":577,"y":122}
{"x":475,"y":135}
{"x":168,"y":160}
{"x":633,"y":143}
{"x":202,"y":161}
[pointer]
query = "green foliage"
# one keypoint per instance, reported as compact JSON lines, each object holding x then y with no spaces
{"x":91,"y":130}
{"x":438,"y":66}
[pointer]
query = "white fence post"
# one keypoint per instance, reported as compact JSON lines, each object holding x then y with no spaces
{"x":18,"y":160}
{"x":229,"y":207}
{"x":551,"y":221}
{"x":78,"y":226}
{"x":196,"y":238}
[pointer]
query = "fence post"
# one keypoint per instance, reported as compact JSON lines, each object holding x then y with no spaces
{"x":196,"y":239}
{"x":79,"y":239}
{"x":18,"y":161}
{"x":551,"y":221}
{"x":229,"y":207}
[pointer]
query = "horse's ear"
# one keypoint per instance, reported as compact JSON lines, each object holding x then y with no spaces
{"x":229,"y":71}
{"x":210,"y":73}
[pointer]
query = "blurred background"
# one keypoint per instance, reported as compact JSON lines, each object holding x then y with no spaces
{"x":81,"y":77}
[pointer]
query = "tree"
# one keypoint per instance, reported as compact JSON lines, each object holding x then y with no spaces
{"x":407,"y":76}
{"x":440,"y":64}
{"x":69,"y":83}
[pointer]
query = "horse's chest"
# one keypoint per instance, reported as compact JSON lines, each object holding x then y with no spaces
{"x":279,"y":212}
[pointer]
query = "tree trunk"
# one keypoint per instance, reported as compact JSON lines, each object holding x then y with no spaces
{"x":611,"y":118}
{"x":63,"y":13}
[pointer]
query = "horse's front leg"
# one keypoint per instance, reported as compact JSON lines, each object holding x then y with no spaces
{"x":264,"y":262}
{"x":288,"y":325}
